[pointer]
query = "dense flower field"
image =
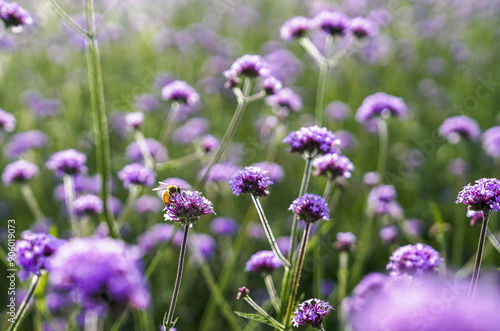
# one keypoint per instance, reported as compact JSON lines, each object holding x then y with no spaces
{"x":229,"y":165}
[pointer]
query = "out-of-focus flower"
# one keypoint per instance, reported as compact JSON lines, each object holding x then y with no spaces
{"x":414,"y":260}
{"x":285,"y":98}
{"x":274,"y":171}
{"x":158,"y":233}
{"x":283,"y":244}
{"x":284,"y":65}
{"x":388,"y":234}
{"x":88,"y":204}
{"x":209,"y":143}
{"x":491,"y":141}
{"x":363,"y":28}
{"x":114,"y":205}
{"x":251,"y":180}
{"x":371,"y":178}
{"x":347,"y":140}
{"x":146,"y":102}
{"x":310,"y":208}
{"x":7,"y":120}
{"x":381,"y":104}
{"x":337,"y":111}
{"x":24,"y":141}
{"x":263,"y":261}
{"x":33,"y":251}
{"x":311,"y":312}
{"x":332,"y":165}
{"x":206,"y":244}
{"x":459,"y":126}
{"x":296,"y":27}
{"x":250,"y":66}
{"x":187,"y":207}
{"x":333,"y":23}
{"x":157,"y":150}
{"x":413,"y":226}
{"x":81,"y":184}
{"x":136,"y":174}
{"x":312,"y":141}
{"x":134,"y":120}
{"x":345,"y":241}
{"x":243,"y":292}
{"x":14,"y":16}
{"x":192,"y":129}
{"x":69,"y":162}
{"x":271,"y":85}
{"x":148,"y":204}
{"x":457,"y":167}
{"x":224,"y":226}
{"x":18,"y":172}
{"x":220,"y":172}
{"x":382,"y":201}
{"x":99,"y":273}
{"x":482,"y":196}
{"x":181,"y":92}
{"x":41,"y":107}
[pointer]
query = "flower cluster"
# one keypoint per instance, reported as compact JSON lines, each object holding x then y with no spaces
{"x":250,"y":66}
{"x":263,"y":261}
{"x":275,"y":172}
{"x":491,"y":141}
{"x":333,"y":165}
{"x":311,"y":312}
{"x":7,"y":120}
{"x":482,"y":196}
{"x":312,"y":141}
{"x":380,"y":104}
{"x":224,"y":226}
{"x":285,"y":99}
{"x":310,"y":208}
{"x":14,"y":16}
{"x":459,"y":126}
{"x":187,"y":207}
{"x":19,"y":172}
{"x":22,"y":142}
{"x":296,"y":27}
{"x":414,"y":260}
{"x":158,"y":152}
{"x":345,"y":241}
{"x":99,"y":273}
{"x":134,"y":120}
{"x":179,"y":91}
{"x":382,"y":201}
{"x":69,"y":162}
{"x":158,"y":233}
{"x":33,"y":252}
{"x":136,"y":174}
{"x":88,"y":204}
{"x":251,"y":180}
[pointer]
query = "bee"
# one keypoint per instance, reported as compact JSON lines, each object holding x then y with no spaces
{"x":169,"y":191}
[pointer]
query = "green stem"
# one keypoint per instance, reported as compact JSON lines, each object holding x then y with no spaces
{"x":312,"y":50}
{"x":180,"y":161}
{"x":363,"y":250}
{"x":69,"y":193}
{"x":226,"y":139}
{"x":25,"y":304}
{"x":66,"y":18}
{"x":101,"y":134}
{"x":324,"y":70}
{"x":479,"y":256}
{"x":166,"y":132}
{"x":342,"y":277}
{"x":459,"y":223}
{"x":31,"y":201}
{"x":269,"y":232}
{"x":143,"y":145}
{"x":260,"y":310}
{"x":159,"y":254}
{"x":383,"y":147}
{"x":296,"y":277}
{"x":493,"y":240}
{"x":129,"y":203}
{"x":268,"y":279}
{"x":330,"y":185}
{"x":105,"y":18}
{"x":167,"y":320}
{"x":91,"y":321}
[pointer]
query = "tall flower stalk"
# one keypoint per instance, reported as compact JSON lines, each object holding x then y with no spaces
{"x":35,"y":281}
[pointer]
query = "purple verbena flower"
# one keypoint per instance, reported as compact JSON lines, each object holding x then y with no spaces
{"x":475,"y":216}
{"x":263,"y":262}
{"x":371,"y":178}
{"x":148,"y":204}
{"x":187,"y":207}
{"x":310,"y":208}
{"x":363,"y":28}
{"x":146,"y":102}
{"x":209,"y":143}
{"x":311,"y":141}
{"x":414,"y":260}
{"x":251,"y":180}
{"x":482,"y":196}
{"x":181,"y":92}
{"x":24,"y":141}
{"x":158,"y":233}
{"x":18,"y":172}
{"x":136,"y":174}
{"x":220,"y":172}
{"x":337,"y":111}
{"x":243,"y":292}
{"x":388,"y":234}
{"x":382,"y":201}
{"x":285,"y":98}
{"x":370,"y":286}
{"x":251,"y":66}
{"x":7,"y":120}
{"x":88,"y":204}
{"x":224,"y":226}
{"x":491,"y":141}
{"x":275,"y":172}
{"x":413,"y":226}
{"x":380,"y":104}
{"x":345,"y":241}
{"x":157,"y":150}
{"x":14,"y":16}
{"x":99,"y":273}
{"x":206,"y":244}
{"x":41,"y":107}
{"x":33,"y":251}
{"x":333,"y":165}
{"x":333,"y":23}
{"x":134,"y":120}
{"x":296,"y":27}
{"x":453,"y":128}
{"x":192,"y":129}
{"x":271,"y":85}
{"x":69,"y":162}
{"x":311,"y":312}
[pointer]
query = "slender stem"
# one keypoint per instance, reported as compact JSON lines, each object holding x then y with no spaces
{"x":260,"y":310}
{"x":91,"y":321}
{"x":324,"y":70}
{"x":335,"y":59}
{"x":31,"y":201}
{"x":66,"y":18}
{"x":321,"y":328}
{"x":296,"y":276}
{"x":159,"y":254}
{"x":479,"y":256}
{"x":312,"y":50}
{"x":166,"y":132}
{"x":255,"y":97}
{"x":170,"y":315}
{"x":383,"y":147}
{"x":25,"y":304}
{"x":459,"y":223}
{"x":101,"y":134}
{"x":146,"y":153}
{"x":180,"y":161}
{"x":105,"y":18}
{"x":268,"y":279}
{"x":69,"y":193}
{"x":330,"y":185}
{"x":133,"y":193}
{"x":493,"y":240}
{"x":342,"y":277}
{"x":363,"y":249}
{"x":269,"y":232}
{"x":226,"y":139}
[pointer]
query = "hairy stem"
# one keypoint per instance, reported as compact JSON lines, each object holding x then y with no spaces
{"x":479,"y":256}
{"x":143,"y":146}
{"x":166,"y":132}
{"x":25,"y":304}
{"x":69,"y":194}
{"x":268,"y":279}
{"x":383,"y":147}
{"x":31,"y":201}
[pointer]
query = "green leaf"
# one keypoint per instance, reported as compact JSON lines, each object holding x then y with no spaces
{"x":260,"y":319}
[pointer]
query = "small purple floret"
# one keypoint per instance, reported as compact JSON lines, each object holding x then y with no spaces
{"x":251,"y":180}
{"x":414,"y":260}
{"x":311,"y":312}
{"x":310,"y":208}
{"x":453,"y":128}
{"x":345,"y":241}
{"x":363,"y":28}
{"x":285,"y":98}
{"x":88,"y":204}
{"x":14,"y":16}
{"x":7,"y":120}
{"x":296,"y":27}
{"x":491,"y":141}
{"x":381,"y":104}
{"x":333,"y":23}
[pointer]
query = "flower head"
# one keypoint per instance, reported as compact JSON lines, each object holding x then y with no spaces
{"x":224,"y":226}
{"x":192,"y":129}
{"x":382,"y":201}
{"x":250,"y":66}
{"x":310,"y":208}
{"x":363,"y":28}
{"x":99,"y":273}
{"x":14,"y":16}
{"x":482,"y":196}
{"x":88,"y":204}
{"x":311,"y":312}
{"x":251,"y":180}
{"x":7,"y":120}
{"x":136,"y":174}
{"x":296,"y":27}
{"x":285,"y":98}
{"x":19,"y":172}
{"x":345,"y":241}
{"x":135,"y":119}
{"x":312,"y":141}
{"x":475,"y":216}
{"x":179,"y":91}
{"x":459,"y":126}
{"x":187,"y":207}
{"x":333,"y":23}
{"x":380,"y":104}
{"x":263,"y":261}
{"x":388,"y":234}
{"x":209,"y":143}
{"x":275,"y":172}
{"x":146,"y":102}
{"x":158,"y":233}
{"x":157,"y":150}
{"x":414,"y":260}
{"x":333,"y":165}
{"x":24,"y":141}
{"x":148,"y":204}
{"x":491,"y":141}
{"x":69,"y":162}
{"x":243,"y":292}
{"x":271,"y":85}
{"x":220,"y":172}
{"x":33,"y":250}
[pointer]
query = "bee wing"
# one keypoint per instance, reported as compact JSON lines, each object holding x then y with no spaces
{"x":162,"y":186}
